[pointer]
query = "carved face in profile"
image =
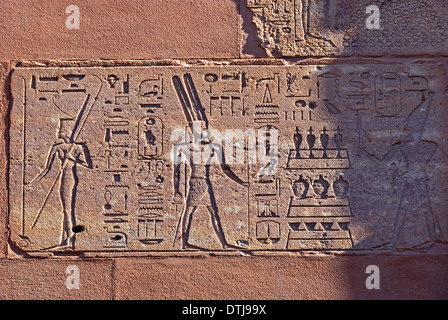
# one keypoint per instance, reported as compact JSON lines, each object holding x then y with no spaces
{"x":300,"y":188}
{"x":112,"y":80}
{"x":63,"y":135}
{"x":340,"y":188}
{"x":65,"y":129}
{"x":320,"y":187}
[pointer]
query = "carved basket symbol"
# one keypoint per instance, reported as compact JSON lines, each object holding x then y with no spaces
{"x":268,"y":231}
{"x":151,"y":89}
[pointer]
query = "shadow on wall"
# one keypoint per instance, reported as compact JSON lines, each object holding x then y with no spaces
{"x":250,"y":42}
{"x":389,"y":114}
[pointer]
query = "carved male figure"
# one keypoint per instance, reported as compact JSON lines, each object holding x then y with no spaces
{"x":199,"y":190}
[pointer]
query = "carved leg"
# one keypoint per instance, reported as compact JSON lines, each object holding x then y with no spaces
{"x":186,"y":224}
{"x":67,"y":196}
{"x":216,"y":223}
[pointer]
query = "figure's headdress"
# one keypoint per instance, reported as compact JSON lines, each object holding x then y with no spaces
{"x":189,"y":100}
{"x":417,"y":119}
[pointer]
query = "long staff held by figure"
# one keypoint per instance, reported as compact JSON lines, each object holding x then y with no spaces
{"x":79,"y":123}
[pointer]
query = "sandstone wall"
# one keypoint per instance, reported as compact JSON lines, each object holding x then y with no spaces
{"x":311,"y":65}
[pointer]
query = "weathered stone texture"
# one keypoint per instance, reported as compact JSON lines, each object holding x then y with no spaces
{"x":303,"y":28}
{"x":156,"y":29}
{"x":4,"y":106}
{"x":45,"y":279}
